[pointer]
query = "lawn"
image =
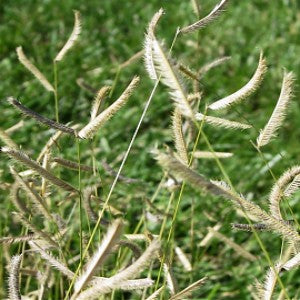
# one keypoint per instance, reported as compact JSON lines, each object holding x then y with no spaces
{"x":112,"y":32}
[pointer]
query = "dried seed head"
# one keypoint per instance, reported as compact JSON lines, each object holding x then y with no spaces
{"x":73,"y":37}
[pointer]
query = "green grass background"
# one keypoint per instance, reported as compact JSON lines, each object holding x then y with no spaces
{"x":112,"y":31}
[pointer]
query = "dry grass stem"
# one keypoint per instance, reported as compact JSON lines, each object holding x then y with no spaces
{"x":34,"y":70}
{"x":279,"y":112}
{"x":246,"y":90}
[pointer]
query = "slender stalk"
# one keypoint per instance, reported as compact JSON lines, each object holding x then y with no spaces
{"x":55,"y":90}
{"x":115,"y":82}
{"x":80,"y":202}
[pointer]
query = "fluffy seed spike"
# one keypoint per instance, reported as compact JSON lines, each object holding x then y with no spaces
{"x":52,"y":261}
{"x":73,"y":37}
{"x":211,"y":155}
{"x":170,"y":279}
{"x":17,"y":239}
{"x":72,"y":165}
{"x":292,"y":263}
{"x":34,"y":70}
{"x":171,"y":79}
{"x":36,"y":199}
{"x":32,"y":114}
{"x":13,"y":279}
{"x":92,"y":127}
{"x":270,"y":282}
{"x":221,"y":122}
{"x":279,"y":112}
{"x":207,"y":19}
{"x":187,"y":291}
{"x":5,"y":138}
{"x":196,"y":180}
{"x":293,"y":187}
{"x":33,"y":228}
{"x":188,"y":72}
{"x":31,"y":164}
{"x":278,"y":190}
{"x":212,"y":65}
{"x":246,"y":90}
{"x":247,"y":227}
{"x":183,"y":259}
{"x":15,"y":127}
{"x":128,"y":285}
{"x":130,"y":272}
{"x":149,"y":37}
{"x":156,"y":293}
{"x":99,"y":257}
{"x":15,"y":199}
{"x":98,"y":101}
